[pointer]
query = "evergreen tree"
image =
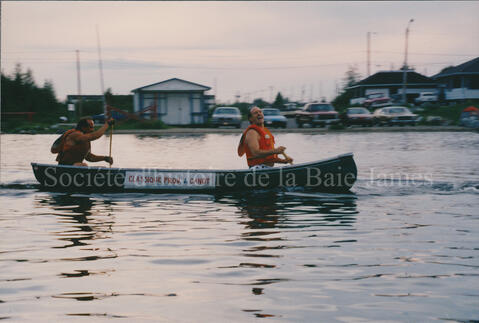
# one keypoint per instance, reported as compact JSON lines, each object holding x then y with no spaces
{"x":27,"y":79}
{"x":109,"y":97}
{"x":21,"y":94}
{"x":351,"y":78}
{"x":260,"y":103}
{"x":278,"y":102}
{"x":119,"y":101}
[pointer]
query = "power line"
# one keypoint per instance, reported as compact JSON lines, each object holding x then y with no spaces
{"x":432,"y":54}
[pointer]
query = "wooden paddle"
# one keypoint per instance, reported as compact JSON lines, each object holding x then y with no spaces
{"x":111,"y":139}
{"x":286,"y":156}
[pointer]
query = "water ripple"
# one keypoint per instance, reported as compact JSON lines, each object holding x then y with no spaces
{"x":397,"y":248}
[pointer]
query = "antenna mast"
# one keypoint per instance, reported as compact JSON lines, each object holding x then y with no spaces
{"x":100,"y":64}
{"x":79,"y":84}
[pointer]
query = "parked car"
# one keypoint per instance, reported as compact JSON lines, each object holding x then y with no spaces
{"x":317,"y":114}
{"x":395,"y":115}
{"x":290,"y":110}
{"x":426,"y":97}
{"x":376,"y":100}
{"x":273,"y":118}
{"x":470,"y":122}
{"x":226,"y":116}
{"x":469,"y":117}
{"x":357,"y":116}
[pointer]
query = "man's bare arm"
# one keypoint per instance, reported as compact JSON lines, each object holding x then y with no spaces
{"x":86,"y":137}
{"x":252,"y":140}
{"x":94,"y":158}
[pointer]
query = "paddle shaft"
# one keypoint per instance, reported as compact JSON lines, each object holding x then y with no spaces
{"x":111,"y":139}
{"x":287,"y":157}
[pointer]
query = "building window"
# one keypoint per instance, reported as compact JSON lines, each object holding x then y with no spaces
{"x":474,"y":82}
{"x":449,"y":84}
{"x":456,"y":82}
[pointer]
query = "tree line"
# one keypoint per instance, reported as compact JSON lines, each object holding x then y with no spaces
{"x":20,"y":93}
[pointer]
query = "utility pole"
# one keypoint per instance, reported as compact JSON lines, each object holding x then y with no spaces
{"x":405,"y":66}
{"x":406,"y":45}
{"x":369,"y":51}
{"x":100,"y":64}
{"x":80,"y":110}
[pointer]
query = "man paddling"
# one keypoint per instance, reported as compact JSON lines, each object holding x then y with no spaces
{"x":74,"y":145}
{"x":259,"y":143}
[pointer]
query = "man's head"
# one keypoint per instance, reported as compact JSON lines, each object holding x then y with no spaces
{"x":85,"y":125}
{"x":255,"y":116}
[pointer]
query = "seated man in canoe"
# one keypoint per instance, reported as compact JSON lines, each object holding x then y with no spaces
{"x":74,"y":145}
{"x":259,"y":143}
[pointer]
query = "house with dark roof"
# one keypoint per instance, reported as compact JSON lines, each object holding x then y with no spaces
{"x":174,"y":101}
{"x":390,"y":84}
{"x":460,"y":82}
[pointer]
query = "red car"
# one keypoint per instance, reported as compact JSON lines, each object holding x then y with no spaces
{"x":357,"y":116}
{"x":376,"y":100}
{"x":317,"y":114}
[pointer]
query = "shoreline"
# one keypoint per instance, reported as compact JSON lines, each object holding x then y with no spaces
{"x":193,"y":131}
{"x":177,"y":131}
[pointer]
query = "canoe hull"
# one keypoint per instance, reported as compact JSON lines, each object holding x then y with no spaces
{"x":336,"y":174}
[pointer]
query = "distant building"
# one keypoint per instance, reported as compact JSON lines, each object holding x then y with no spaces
{"x":460,"y":82}
{"x":177,"y":101}
{"x":74,"y":98}
{"x":390,"y":83}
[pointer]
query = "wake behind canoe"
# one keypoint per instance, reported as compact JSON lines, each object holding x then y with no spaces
{"x":336,"y":174}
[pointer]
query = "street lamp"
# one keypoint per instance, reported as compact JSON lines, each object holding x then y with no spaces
{"x":407,"y":36}
{"x":405,"y":67}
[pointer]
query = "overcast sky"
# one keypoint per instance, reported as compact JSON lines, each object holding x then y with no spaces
{"x":252,"y":49}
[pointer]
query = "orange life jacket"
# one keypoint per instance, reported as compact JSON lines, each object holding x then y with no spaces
{"x":60,"y":141}
{"x":70,"y":154}
{"x":266,"y":142}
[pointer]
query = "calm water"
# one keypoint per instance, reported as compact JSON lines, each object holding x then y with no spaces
{"x":404,"y":247}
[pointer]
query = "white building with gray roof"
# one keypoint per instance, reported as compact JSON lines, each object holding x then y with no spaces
{"x":177,"y":102}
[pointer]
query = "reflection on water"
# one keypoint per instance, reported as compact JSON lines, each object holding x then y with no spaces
{"x":272,"y":209}
{"x":105,"y":235}
{"x":76,"y":210}
{"x":85,"y":218}
{"x":393,"y":250}
{"x":284,"y":247}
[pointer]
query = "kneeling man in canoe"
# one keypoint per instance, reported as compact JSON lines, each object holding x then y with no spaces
{"x":74,"y":145}
{"x":259,"y":143}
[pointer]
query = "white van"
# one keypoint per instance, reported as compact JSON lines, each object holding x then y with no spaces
{"x":426,"y":97}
